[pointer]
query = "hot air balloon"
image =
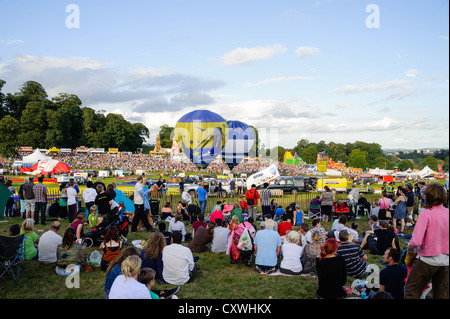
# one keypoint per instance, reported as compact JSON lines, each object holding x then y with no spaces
{"x":201,"y":135}
{"x":240,"y":140}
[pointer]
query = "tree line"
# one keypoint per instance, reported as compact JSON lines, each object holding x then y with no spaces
{"x":29,"y":118}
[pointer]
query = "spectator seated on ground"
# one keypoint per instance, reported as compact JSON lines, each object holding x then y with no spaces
{"x":284,"y":227}
{"x":355,"y":258}
{"x":179,"y":265}
{"x":267,"y":245}
{"x":220,"y":237}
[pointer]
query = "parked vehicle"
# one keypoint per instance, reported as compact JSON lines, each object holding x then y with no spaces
{"x":291,"y":184}
{"x":211,"y":186}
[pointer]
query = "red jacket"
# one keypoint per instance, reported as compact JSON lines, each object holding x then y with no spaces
{"x":254,"y":194}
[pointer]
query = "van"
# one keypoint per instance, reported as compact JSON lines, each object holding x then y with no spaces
{"x":337,"y":184}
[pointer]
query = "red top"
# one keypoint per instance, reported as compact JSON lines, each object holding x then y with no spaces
{"x":284,"y":227}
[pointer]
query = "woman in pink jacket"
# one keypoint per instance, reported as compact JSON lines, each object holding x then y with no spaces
{"x":430,"y":238}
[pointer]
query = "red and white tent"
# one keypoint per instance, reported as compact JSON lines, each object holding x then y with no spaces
{"x":47,"y":166}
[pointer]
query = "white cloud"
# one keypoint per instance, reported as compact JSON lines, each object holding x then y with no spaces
{"x":412,"y":73}
{"x":241,"y":56}
{"x":9,"y":42}
{"x":351,"y":88}
{"x":279,"y":79}
{"x":307,"y":51}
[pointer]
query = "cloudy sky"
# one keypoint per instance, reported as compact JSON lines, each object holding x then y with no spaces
{"x":339,"y":71}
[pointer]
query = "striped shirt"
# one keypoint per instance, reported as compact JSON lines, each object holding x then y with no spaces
{"x":265,"y":196}
{"x":40,"y":193}
{"x":352,"y":253}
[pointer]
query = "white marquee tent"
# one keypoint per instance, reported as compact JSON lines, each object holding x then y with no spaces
{"x":33,"y":158}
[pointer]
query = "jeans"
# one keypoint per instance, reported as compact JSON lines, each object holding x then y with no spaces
{"x":252,"y":210}
{"x":39,"y":208}
{"x":9,"y":207}
{"x":203,"y":206}
{"x":72,"y":211}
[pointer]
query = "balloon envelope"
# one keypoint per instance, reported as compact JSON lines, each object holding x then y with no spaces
{"x":241,"y":138}
{"x":201,"y":135}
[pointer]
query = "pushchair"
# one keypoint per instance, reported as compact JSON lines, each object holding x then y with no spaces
{"x":341,"y":207}
{"x":237,"y":253}
{"x":194,"y":211}
{"x":97,"y":233}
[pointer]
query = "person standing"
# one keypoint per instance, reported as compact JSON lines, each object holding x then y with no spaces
{"x":354,"y":193}
{"x":139,"y":210}
{"x":22,"y":197}
{"x":232,"y":187}
{"x":28,"y":194}
{"x":89,"y":195}
{"x":430,"y":238}
{"x":265,"y":199}
{"x":202,"y":197}
{"x":71,"y":201}
{"x":40,"y":200}
{"x":252,"y":197}
{"x":327,"y":200}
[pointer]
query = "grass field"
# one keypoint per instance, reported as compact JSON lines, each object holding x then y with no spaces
{"x":217,"y":278}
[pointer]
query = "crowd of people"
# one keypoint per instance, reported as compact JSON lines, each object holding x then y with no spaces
{"x":282,"y":244}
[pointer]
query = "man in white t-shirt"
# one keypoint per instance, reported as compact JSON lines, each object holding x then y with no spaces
{"x":179,"y":266}
{"x":220,"y":238}
{"x":48,"y":244}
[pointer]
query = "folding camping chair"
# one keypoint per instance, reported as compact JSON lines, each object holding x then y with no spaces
{"x":314,"y":212}
{"x":12,"y":255}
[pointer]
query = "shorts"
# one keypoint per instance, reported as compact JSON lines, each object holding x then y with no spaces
{"x":29,"y":205}
{"x":265,"y":269}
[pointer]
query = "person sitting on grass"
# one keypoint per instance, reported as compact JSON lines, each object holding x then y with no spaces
{"x":70,"y":253}
{"x":284,"y":227}
{"x":146,"y":276}
{"x":151,"y":254}
{"x":267,"y":246}
{"x":355,"y":258}
{"x":292,"y":252}
{"x":31,"y":240}
{"x":203,"y":236}
{"x":111,"y":246}
{"x":220,"y":237}
{"x":126,"y":286}
{"x":179,"y":263}
{"x":177,"y":225}
{"x":114,"y":269}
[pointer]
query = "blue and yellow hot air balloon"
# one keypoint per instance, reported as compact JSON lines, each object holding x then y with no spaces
{"x":241,"y":138}
{"x":201,"y":135}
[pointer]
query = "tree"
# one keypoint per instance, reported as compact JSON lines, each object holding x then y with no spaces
{"x":405,"y":165}
{"x":383,"y":163}
{"x":431,"y":162}
{"x":33,"y":124}
{"x":309,"y":155}
{"x":9,"y":137}
{"x":357,"y":159}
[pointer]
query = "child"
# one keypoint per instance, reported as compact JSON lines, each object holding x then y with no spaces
{"x":278,"y":213}
{"x":32,"y":239}
{"x":14,"y":230}
{"x":93,"y":217}
{"x":298,"y":216}
{"x":147,"y":277}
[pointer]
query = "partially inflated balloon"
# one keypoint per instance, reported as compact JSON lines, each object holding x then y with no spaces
{"x":240,"y":140}
{"x":201,"y":135}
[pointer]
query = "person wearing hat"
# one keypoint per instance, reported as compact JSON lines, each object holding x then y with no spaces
{"x":409,"y":204}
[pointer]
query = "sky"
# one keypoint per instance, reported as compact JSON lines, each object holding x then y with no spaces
{"x":335,"y":71}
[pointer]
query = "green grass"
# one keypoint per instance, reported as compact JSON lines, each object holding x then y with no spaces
{"x":216,"y":279}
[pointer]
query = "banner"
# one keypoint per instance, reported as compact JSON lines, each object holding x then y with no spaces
{"x":263,"y":176}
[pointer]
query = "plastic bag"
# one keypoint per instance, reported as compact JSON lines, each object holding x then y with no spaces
{"x":245,"y":243}
{"x":95,"y":258}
